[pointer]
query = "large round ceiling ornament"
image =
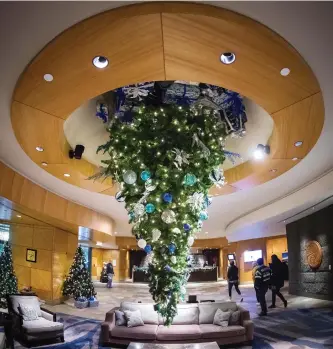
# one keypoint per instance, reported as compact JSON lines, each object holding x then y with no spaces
{"x":314,"y":254}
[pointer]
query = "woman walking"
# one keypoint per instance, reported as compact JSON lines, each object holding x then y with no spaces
{"x":277,"y":281}
{"x":233,"y":279}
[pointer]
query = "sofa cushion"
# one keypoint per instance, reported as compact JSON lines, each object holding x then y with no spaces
{"x":187,"y":314}
{"x":208,"y":310}
{"x":221,"y":318}
{"x":31,"y":301}
{"x":213,"y":331}
{"x":146,"y":332}
{"x":41,"y":325}
{"x":178,"y":332}
{"x":235,"y":318}
{"x":148,"y":314}
{"x":29,"y":313}
{"x":120,"y":318}
{"x":134,"y":318}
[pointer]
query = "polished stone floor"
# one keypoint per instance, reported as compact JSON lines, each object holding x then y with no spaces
{"x":110,"y":298}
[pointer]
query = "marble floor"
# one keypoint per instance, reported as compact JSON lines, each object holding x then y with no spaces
{"x":110,"y":298}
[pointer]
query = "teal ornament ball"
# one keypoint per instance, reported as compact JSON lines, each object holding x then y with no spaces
{"x":190,"y":179}
{"x":203,"y":215}
{"x":145,"y":175}
{"x":150,"y":208}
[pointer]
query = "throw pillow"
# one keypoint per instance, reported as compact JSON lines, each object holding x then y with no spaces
{"x":29,"y":313}
{"x":234,"y":318}
{"x":120,"y":318}
{"x":221,"y":318}
{"x":133,"y":318}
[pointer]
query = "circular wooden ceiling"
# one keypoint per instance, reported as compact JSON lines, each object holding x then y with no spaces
{"x":167,"y":41}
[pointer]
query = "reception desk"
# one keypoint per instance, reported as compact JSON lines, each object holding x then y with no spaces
{"x":206,"y":274}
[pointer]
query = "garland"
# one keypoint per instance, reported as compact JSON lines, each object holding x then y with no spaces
{"x":166,"y":159}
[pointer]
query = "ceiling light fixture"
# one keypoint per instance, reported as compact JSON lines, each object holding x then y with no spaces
{"x":100,"y":62}
{"x":294,"y":159}
{"x":99,"y":243}
{"x":44,"y":163}
{"x":285,"y":71}
{"x":18,"y":216}
{"x":273,"y":170}
{"x":206,"y":232}
{"x":298,"y":143}
{"x":261,"y":151}
{"x":67,"y":175}
{"x":39,"y":148}
{"x":48,"y":77}
{"x":227,"y":58}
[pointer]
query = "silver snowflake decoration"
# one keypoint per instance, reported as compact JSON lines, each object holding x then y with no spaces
{"x":196,"y":201}
{"x":180,"y":158}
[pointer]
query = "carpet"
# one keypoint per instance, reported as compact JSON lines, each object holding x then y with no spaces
{"x":289,"y":329}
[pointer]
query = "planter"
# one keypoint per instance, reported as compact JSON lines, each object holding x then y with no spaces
{"x":81,"y":304}
{"x":94,"y":303}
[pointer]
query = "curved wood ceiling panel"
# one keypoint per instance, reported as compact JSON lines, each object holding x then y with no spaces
{"x":167,"y":41}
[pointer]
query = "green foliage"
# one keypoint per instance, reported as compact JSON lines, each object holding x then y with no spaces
{"x":8,"y":279}
{"x":78,"y":283}
{"x":151,"y":143}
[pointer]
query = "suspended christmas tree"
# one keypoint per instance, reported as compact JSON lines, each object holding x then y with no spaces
{"x":8,"y":279}
{"x":78,"y":283}
{"x":166,"y":158}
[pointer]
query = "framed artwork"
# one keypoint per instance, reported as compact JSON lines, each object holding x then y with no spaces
{"x":31,"y":255}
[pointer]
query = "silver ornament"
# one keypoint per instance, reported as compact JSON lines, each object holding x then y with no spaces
{"x":196,"y":201}
{"x":120,"y":196}
{"x":150,"y":185}
{"x":130,"y":177}
{"x":168,"y":216}
{"x":217,"y":177}
{"x":156,"y":234}
{"x":139,"y":209}
{"x":181,"y":157}
{"x":176,"y":231}
{"x":173,"y":259}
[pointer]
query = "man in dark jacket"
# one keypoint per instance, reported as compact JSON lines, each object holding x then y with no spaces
{"x":262,"y":279}
{"x":277,"y":281}
{"x":110,"y":273}
{"x":233,"y":279}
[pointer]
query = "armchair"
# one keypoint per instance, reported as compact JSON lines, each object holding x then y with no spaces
{"x":33,"y":331}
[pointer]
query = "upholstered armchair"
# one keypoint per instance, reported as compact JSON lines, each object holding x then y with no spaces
{"x":31,"y":323}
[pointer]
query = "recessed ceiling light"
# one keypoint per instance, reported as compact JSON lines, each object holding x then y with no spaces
{"x":273,"y":170}
{"x":261,"y":151}
{"x":206,"y":232}
{"x":39,"y":148}
{"x":294,"y":159}
{"x":18,"y":216}
{"x":48,"y":77}
{"x":298,"y":143}
{"x":100,"y":62}
{"x":67,"y":175}
{"x":284,"y":221}
{"x":285,"y":71}
{"x":115,"y":233}
{"x":44,"y":163}
{"x":227,"y":57}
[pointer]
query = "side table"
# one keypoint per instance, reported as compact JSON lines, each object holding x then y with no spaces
{"x":6,"y":322}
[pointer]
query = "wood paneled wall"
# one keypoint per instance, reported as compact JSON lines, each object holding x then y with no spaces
{"x":47,"y":206}
{"x":121,"y":257}
{"x":55,"y":251}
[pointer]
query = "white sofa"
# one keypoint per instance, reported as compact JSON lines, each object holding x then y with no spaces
{"x":193,"y":323}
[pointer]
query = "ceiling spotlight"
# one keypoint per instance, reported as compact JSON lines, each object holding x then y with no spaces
{"x":261,"y":151}
{"x":100,"y":62}
{"x":39,"y":148}
{"x":67,"y":175}
{"x":44,"y":163}
{"x":284,"y":221}
{"x":206,"y":232}
{"x":298,"y":143}
{"x":273,"y":170}
{"x":48,"y":77}
{"x":18,"y":216}
{"x":77,"y":153}
{"x":285,"y":71}
{"x":99,"y":243}
{"x":294,"y":159}
{"x":227,"y":58}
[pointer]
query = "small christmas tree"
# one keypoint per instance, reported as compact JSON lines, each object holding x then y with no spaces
{"x":78,"y":283}
{"x":8,"y":279}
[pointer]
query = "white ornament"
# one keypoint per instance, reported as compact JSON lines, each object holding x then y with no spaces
{"x":139,"y":209}
{"x":150,"y":186}
{"x":217,"y":177}
{"x":181,"y":157}
{"x":142,"y":243}
{"x":156,"y":234}
{"x":183,"y":290}
{"x":196,"y":201}
{"x":190,"y":240}
{"x":173,"y":259}
{"x":176,"y":230}
{"x":130,"y":177}
{"x":168,"y":216}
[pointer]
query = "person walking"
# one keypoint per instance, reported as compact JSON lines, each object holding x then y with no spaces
{"x":254,"y":269}
{"x":233,"y":279}
{"x":262,"y":279}
{"x":110,"y":273}
{"x":277,"y":281}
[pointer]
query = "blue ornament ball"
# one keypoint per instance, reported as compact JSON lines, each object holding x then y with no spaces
{"x":208,"y":201}
{"x":203,"y":215}
{"x":186,"y":227}
{"x":167,"y":197}
{"x":172,"y":248}
{"x":148,"y":249}
{"x":145,"y":175}
{"x":190,"y":179}
{"x":150,"y":208}
{"x":167,"y":268}
{"x":131,"y":216}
